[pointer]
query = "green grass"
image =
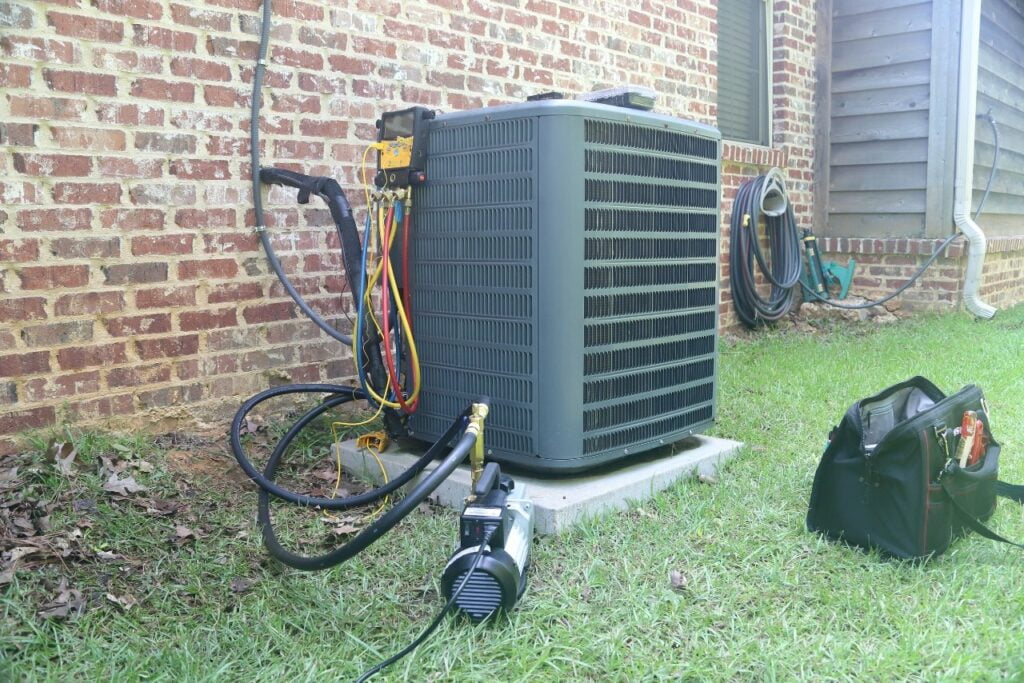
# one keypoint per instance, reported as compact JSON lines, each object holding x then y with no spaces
{"x":764,"y":598}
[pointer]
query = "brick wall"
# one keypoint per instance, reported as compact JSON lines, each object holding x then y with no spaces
{"x":132,"y":283}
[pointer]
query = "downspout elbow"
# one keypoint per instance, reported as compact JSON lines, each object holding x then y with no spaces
{"x":976,"y":246}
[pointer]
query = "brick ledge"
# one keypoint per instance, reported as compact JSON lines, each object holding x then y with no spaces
{"x":755,"y":155}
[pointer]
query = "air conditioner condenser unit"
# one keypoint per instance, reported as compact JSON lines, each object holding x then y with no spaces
{"x":565,"y":263}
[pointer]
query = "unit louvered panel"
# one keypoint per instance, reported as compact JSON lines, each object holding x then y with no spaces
{"x":474,"y":278}
{"x":651,"y":267}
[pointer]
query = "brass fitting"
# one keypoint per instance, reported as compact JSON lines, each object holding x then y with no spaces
{"x":476,"y":457}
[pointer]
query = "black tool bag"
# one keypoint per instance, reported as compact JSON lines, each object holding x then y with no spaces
{"x":889,"y":479}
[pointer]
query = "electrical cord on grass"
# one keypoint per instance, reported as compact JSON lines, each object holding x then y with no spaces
{"x":440,"y":615}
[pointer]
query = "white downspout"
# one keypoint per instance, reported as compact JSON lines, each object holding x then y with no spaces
{"x":970,"y":28}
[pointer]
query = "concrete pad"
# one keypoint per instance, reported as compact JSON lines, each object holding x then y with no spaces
{"x":561,"y":502}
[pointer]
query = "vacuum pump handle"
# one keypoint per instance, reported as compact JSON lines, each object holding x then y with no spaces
{"x":306,"y":184}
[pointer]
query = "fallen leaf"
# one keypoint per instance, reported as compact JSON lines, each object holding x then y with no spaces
{"x":9,"y":479}
{"x":6,"y":576}
{"x":21,"y":551}
{"x":344,"y":529}
{"x":69,"y":602}
{"x":253,"y":423}
{"x":63,"y":456}
{"x":122,"y":486}
{"x":83,"y":506}
{"x":161,"y":508}
{"x":678,"y":580}
{"x":183,"y":535}
{"x":240,"y":585}
{"x":121,"y":448}
{"x":708,"y":479}
{"x":143,"y":466}
{"x":125,"y":602}
{"x":106,"y":556}
{"x":25,"y":525}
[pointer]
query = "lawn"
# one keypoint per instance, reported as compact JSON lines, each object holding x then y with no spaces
{"x":188,"y":594}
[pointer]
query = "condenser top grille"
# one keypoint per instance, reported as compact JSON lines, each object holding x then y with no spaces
{"x":647,"y":137}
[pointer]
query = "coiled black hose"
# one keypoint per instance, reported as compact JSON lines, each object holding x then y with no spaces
{"x":265,"y":480}
{"x":782,"y":273}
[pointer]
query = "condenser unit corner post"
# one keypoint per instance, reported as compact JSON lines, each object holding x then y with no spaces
{"x":565,"y":263}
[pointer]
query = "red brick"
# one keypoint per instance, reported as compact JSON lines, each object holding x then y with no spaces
{"x":107,"y":406}
{"x":298,"y":149}
{"x":33,"y":418}
{"x":235,"y":291}
{"x":47,"y":108}
{"x":18,"y":134}
{"x":19,"y":251}
{"x":58,"y":334}
{"x":31,"y":363}
{"x":135,"y":273}
{"x":225,"y":96}
{"x":164,"y":245}
{"x":163,"y":193}
{"x":13,"y":15}
{"x":129,"y":114}
{"x":157,"y":89}
{"x":166,"y":297}
{"x":300,"y":59}
{"x":208,"y":320}
{"x":205,"y":218}
{"x":266,"y":313}
{"x":63,"y":386}
{"x":15,"y":76}
{"x":317,"y":37}
{"x":138,"y":376}
{"x":229,"y":47}
{"x":37,"y":220}
{"x":53,"y":277}
{"x":77,"y":81}
{"x":200,"y":169}
{"x":75,"y":358}
{"x":133,"y":219}
{"x":204,"y":70}
{"x":137,"y":9}
{"x":207,"y":20}
{"x":323,"y":129}
{"x":85,"y":27}
{"x":209,"y":268}
{"x":39,"y":49}
{"x":32,"y":308}
{"x":171,"y":143}
{"x":154,"y":323}
{"x":87,"y":193}
{"x":89,"y":302}
{"x":52,"y":165}
{"x":98,"y":139}
{"x":164,"y":39}
{"x":124,"y":167}
{"x":167,"y":347}
{"x":16,"y":192}
{"x":98,"y":247}
{"x":300,"y":104}
{"x":231,"y":243}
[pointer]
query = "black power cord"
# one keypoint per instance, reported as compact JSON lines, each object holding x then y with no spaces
{"x":440,"y":615}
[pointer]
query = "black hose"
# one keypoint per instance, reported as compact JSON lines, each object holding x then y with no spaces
{"x":782,"y":273}
{"x":257,"y":198}
{"x":264,"y":480}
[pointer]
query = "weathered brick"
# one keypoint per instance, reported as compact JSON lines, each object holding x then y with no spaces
{"x":171,"y":143}
{"x":97,"y":139}
{"x":15,"y":76}
{"x":235,"y":291}
{"x":57,"y":334}
{"x":87,"y":193}
{"x":128,"y":326}
{"x":167,"y":347}
{"x":209,"y":268}
{"x":62,"y":386}
{"x":77,"y":81}
{"x":47,"y":108}
{"x":52,"y":165}
{"x":16,"y":365}
{"x":202,"y":69}
{"x":130,"y":115}
{"x":163,"y":38}
{"x":158,"y":89}
{"x":132,"y":219}
{"x":93,"y":247}
{"x":19,"y":251}
{"x":192,"y":321}
{"x":15,"y":15}
{"x":53,"y":277}
{"x":200,"y":169}
{"x":18,"y":134}
{"x":88,"y":303}
{"x":167,"y":297}
{"x":13,"y":422}
{"x":39,"y":220}
{"x":88,"y":28}
{"x":135,"y":273}
{"x":137,"y":9}
{"x":163,"y":193}
{"x":138,"y":376}
{"x":37,"y":49}
{"x":78,"y":357}
{"x":266,"y":313}
{"x":165,"y":245}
